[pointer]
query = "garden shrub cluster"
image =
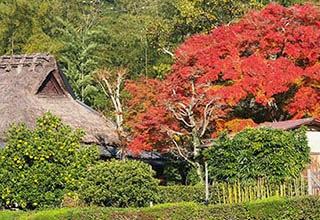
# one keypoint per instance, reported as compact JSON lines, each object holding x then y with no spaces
{"x":39,"y":167}
{"x":254,"y":153}
{"x":120,"y":184}
{"x":43,"y":166}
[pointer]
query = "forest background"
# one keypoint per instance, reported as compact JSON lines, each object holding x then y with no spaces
{"x":88,"y":35}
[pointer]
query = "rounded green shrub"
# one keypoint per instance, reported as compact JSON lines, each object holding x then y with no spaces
{"x":39,"y":167}
{"x":120,"y":184}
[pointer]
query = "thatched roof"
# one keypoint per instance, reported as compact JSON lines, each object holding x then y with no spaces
{"x":31,"y":85}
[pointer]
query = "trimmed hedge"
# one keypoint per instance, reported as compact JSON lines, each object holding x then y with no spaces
{"x":300,"y":208}
{"x":180,"y":193}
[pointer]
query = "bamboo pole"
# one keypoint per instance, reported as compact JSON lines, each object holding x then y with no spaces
{"x":223,"y":194}
{"x":235,"y":194}
{"x":229,"y":193}
{"x":239,"y":192}
{"x":218,"y":192}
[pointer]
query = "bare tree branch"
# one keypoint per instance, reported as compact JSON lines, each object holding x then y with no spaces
{"x":206,"y":116}
{"x":167,"y":51}
{"x":112,"y":88}
{"x":179,"y":117}
{"x":181,"y":154}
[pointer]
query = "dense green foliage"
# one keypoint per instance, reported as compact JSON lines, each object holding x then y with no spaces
{"x":120,"y":184}
{"x":300,"y":208}
{"x":268,"y":153}
{"x":38,"y":167}
{"x":178,"y":172}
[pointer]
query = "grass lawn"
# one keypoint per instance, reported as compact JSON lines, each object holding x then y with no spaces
{"x":272,"y":208}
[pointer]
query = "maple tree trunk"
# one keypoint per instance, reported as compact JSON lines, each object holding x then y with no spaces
{"x":119,"y":120}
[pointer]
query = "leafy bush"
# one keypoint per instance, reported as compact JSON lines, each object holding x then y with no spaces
{"x":120,"y":184}
{"x":38,"y":167}
{"x":178,"y":172}
{"x":173,"y":173}
{"x":268,"y":153}
{"x":192,"y":177}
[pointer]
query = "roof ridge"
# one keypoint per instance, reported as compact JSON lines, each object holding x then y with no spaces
{"x":24,"y":59}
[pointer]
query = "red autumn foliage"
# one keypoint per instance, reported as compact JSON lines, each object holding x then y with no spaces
{"x":266,"y":54}
{"x":146,"y":116}
{"x":306,"y":101}
{"x":269,"y":59}
{"x":233,"y":126}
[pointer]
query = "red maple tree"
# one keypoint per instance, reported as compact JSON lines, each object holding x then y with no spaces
{"x":266,"y":67}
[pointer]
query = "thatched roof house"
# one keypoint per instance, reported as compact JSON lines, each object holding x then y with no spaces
{"x":33,"y":84}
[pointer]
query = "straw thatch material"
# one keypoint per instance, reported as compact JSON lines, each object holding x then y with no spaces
{"x":23,"y":99}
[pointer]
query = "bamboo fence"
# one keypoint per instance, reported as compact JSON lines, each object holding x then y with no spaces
{"x":226,"y":193}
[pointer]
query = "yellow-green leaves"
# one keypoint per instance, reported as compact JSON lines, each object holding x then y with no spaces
{"x":39,"y":172}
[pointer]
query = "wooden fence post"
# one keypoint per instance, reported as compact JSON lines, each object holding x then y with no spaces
{"x":310,"y":190}
{"x":207,"y":183}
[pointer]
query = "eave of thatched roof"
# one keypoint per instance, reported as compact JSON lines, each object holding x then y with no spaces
{"x":20,"y":101}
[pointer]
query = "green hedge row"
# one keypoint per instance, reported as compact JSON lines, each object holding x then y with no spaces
{"x":224,"y":193}
{"x":299,"y":208}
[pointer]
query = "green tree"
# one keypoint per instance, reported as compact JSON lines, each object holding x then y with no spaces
{"x":79,"y":58}
{"x":268,"y":153}
{"x":27,"y":27}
